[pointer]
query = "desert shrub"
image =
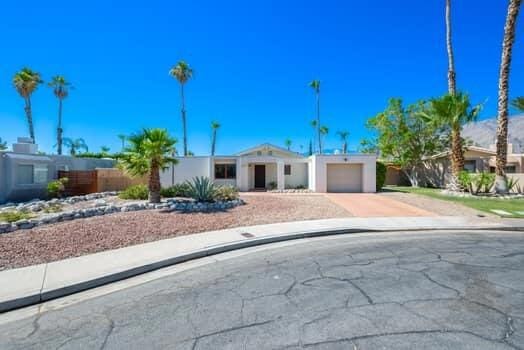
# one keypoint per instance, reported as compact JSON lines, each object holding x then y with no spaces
{"x":272,"y":185}
{"x":381,"y":175}
{"x":56,"y":188}
{"x":300,"y":187}
{"x":201,"y":189}
{"x":15,"y":215}
{"x":135,"y":192}
{"x":53,"y":208}
{"x":226,"y":193}
{"x":476,"y":183}
{"x":465,"y":180}
{"x":178,"y":190}
{"x":513,"y":185}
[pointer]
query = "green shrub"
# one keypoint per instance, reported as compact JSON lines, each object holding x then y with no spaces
{"x":135,"y":192}
{"x":272,"y":185}
{"x":513,"y":185}
{"x":476,"y":183}
{"x":226,"y":193}
{"x":465,"y":180}
{"x":178,"y":190}
{"x":201,"y":189}
{"x":300,"y":187}
{"x":56,"y":188}
{"x":381,"y":175}
{"x":12,"y":216}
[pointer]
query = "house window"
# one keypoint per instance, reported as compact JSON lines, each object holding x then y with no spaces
{"x":225,"y":171}
{"x":24,"y":174}
{"x":287,"y":169}
{"x":511,"y":169}
{"x":470,"y":166}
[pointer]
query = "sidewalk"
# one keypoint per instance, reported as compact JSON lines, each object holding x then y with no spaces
{"x":33,"y":284}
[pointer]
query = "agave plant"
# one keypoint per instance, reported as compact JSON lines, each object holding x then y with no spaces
{"x":201,"y":189}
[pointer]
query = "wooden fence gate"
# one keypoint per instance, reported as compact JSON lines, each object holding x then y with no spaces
{"x":80,"y":182}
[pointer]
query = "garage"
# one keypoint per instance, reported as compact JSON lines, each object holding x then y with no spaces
{"x":344,"y":177}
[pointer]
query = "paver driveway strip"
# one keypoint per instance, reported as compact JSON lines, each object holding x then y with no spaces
{"x":374,"y":205}
{"x":453,"y":290}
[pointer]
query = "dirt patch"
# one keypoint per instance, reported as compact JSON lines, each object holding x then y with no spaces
{"x":85,"y":236}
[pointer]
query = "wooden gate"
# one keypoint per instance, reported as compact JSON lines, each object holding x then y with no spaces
{"x":80,"y":182}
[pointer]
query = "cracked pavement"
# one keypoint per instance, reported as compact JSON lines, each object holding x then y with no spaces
{"x":438,"y":290}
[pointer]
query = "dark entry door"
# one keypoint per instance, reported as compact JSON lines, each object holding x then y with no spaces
{"x":260,"y":176}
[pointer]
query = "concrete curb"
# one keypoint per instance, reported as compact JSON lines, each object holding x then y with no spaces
{"x":42,"y":296}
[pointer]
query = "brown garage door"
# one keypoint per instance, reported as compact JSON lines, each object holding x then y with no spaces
{"x":344,"y":177}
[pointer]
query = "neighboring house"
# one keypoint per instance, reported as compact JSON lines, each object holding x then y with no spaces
{"x":24,"y":174}
{"x":271,"y":167}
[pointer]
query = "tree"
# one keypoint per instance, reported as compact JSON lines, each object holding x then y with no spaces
{"x":518,"y":103}
{"x":182,"y":72}
{"x":75,"y":145}
{"x":148,"y":152}
{"x":214,"y":127}
{"x":452,"y":111}
{"x":60,"y":88}
{"x":123,"y":139}
{"x":104,"y":150}
{"x":315,"y":85}
{"x":452,"y":89}
{"x":502,"y":115}
{"x":310,"y":149}
{"x":314,"y":125}
{"x":288,"y":143}
{"x":324,"y":130}
{"x":403,"y":137}
{"x":3,"y":145}
{"x":26,"y":82}
{"x":344,"y":138}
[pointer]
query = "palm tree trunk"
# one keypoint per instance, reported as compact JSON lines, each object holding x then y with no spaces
{"x":457,"y":157}
{"x":451,"y":59}
{"x":318,"y":123}
{"x":29,"y":115}
{"x":59,"y":128}
{"x":345,"y":147}
{"x":213,"y":142}
{"x":154,"y":183}
{"x":502,"y":117}
{"x":184,"y":130}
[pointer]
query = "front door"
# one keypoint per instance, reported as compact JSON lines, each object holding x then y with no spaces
{"x":260,"y":176}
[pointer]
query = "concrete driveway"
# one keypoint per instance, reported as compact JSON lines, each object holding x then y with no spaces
{"x":375,"y":205}
{"x":419,"y":290}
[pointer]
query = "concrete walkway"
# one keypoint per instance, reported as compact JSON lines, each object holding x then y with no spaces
{"x":374,"y":205}
{"x":33,"y":284}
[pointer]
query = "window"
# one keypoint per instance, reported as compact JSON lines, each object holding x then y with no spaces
{"x":24,"y":174}
{"x":287,"y":169}
{"x":511,"y":169}
{"x":225,"y":171}
{"x":470,"y":166}
{"x":40,"y":174}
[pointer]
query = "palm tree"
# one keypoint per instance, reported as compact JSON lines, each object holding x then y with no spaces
{"x":61,"y":90}
{"x":452,"y":111}
{"x":26,"y":82}
{"x":502,"y":117}
{"x":123,"y":139}
{"x":344,"y":138}
{"x":518,"y":103}
{"x":149,"y":152}
{"x":182,"y":72}
{"x":314,"y":125}
{"x":3,"y":145}
{"x":324,"y":130}
{"x":75,"y":145}
{"x":214,"y":127}
{"x":315,"y":85}
{"x":104,"y":150}
{"x":288,"y":143}
{"x":451,"y":59}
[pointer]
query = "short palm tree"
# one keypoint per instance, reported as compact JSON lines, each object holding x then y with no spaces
{"x":60,"y":88}
{"x":315,"y":85}
{"x":3,"y":145}
{"x":288,"y":143}
{"x":344,"y":138}
{"x":182,"y":72}
{"x":123,"y":139}
{"x":324,"y":130}
{"x":75,"y":145}
{"x":452,"y":111}
{"x":518,"y":103}
{"x":147,"y":153}
{"x":214,"y":128}
{"x":26,"y":82}
{"x":502,"y":115}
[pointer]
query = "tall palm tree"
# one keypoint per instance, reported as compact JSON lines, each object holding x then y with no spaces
{"x":452,"y":84}
{"x":75,"y":145}
{"x":502,"y":115}
{"x":518,"y":103}
{"x":26,"y":82}
{"x":324,"y":130}
{"x":123,"y":139}
{"x":147,"y":153}
{"x":344,"y":138}
{"x":182,"y":72}
{"x":315,"y":85}
{"x":452,"y":111}
{"x":288,"y":143}
{"x":314,"y":125}
{"x":61,"y":90}
{"x":214,"y":127}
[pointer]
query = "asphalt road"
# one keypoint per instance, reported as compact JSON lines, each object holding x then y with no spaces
{"x":449,"y":290}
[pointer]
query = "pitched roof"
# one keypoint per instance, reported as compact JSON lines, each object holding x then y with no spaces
{"x":468,"y":148}
{"x":266,"y":146}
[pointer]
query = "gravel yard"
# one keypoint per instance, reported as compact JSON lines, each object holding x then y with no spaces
{"x":84,"y":236}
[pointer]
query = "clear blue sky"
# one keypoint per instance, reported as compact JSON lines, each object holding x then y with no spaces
{"x":252,"y":61}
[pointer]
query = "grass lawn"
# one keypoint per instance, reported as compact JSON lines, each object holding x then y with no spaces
{"x":513,"y":206}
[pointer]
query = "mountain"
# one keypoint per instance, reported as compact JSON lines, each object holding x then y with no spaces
{"x":483,"y":132}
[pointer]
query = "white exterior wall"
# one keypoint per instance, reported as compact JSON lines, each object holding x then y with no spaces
{"x":298,"y":177}
{"x":225,"y":182}
{"x":319,"y":181}
{"x":186,"y":169}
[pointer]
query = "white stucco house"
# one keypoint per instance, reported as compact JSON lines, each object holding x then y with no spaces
{"x":267,"y":166}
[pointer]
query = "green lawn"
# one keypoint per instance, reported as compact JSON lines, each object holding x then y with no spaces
{"x":484,"y":204}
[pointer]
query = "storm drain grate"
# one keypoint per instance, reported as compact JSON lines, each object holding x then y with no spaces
{"x":247,"y":235}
